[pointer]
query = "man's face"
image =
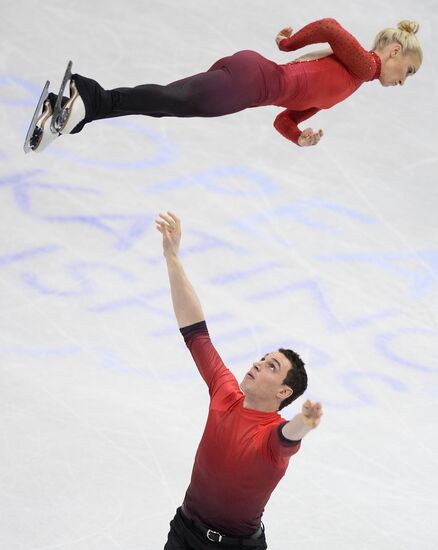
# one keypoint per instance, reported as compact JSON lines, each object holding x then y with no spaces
{"x":397,"y":68}
{"x":264,"y":380}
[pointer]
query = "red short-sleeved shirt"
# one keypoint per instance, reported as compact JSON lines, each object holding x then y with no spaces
{"x":242,"y":454}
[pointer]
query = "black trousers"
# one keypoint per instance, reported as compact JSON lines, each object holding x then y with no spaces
{"x":245,"y":79}
{"x":184,"y":536}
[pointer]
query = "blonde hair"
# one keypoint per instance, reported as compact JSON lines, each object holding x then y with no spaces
{"x":404,"y":35}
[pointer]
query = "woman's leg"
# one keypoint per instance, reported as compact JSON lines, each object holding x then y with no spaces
{"x":230,"y":85}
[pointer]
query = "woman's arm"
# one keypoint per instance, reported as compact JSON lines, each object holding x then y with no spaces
{"x":287,"y":33}
{"x":344,"y":45}
{"x":287,"y":124}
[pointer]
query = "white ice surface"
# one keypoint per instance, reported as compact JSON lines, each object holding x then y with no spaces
{"x":332,"y":250}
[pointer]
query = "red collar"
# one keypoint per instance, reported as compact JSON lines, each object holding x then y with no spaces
{"x":378,"y":64}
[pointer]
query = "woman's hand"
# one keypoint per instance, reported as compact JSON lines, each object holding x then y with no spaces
{"x":284,"y":33}
{"x":309,"y":137}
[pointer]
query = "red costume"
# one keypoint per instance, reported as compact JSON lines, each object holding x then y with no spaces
{"x":321,"y":83}
{"x":242,"y":454}
{"x":247,"y":79}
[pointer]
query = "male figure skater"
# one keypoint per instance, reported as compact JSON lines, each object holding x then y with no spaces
{"x":246,"y":445}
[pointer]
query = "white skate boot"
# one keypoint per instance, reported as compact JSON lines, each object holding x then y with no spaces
{"x":67,"y":115}
{"x":38,"y":123}
{"x":56,"y":118}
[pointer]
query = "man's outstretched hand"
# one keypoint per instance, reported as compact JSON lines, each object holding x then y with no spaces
{"x":169,"y":225}
{"x":311,"y":413}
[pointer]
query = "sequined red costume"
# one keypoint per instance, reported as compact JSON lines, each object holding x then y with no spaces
{"x":247,"y":79}
{"x":321,"y":83}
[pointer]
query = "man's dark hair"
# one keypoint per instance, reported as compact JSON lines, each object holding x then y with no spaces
{"x":296,"y":377}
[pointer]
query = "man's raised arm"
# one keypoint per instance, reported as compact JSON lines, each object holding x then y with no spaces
{"x":186,"y":305}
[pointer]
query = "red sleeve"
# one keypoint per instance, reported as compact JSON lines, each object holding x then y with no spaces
{"x":363,"y":64}
{"x":279,"y":447}
{"x":221,"y":383}
{"x":287,"y":122}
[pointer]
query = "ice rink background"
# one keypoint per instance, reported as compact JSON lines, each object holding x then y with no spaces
{"x":330,"y":250}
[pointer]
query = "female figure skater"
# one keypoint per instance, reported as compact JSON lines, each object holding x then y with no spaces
{"x":247,"y":79}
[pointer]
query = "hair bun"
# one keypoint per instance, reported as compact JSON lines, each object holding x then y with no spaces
{"x":409,"y":26}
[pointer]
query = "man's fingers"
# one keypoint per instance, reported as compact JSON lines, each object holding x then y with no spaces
{"x":313,"y":410}
{"x":162,"y":227}
{"x":174,"y":217}
{"x":171,"y":220}
{"x":167,"y":219}
{"x":307,"y":405}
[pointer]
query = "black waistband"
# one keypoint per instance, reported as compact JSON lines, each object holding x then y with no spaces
{"x":215,"y":536}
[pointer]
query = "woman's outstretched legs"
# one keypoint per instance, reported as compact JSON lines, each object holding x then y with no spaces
{"x":232,"y":84}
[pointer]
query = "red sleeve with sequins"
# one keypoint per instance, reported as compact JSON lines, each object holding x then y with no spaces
{"x":363,"y":64}
{"x":287,"y":122}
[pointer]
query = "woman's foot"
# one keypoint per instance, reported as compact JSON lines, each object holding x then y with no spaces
{"x":42,"y":136}
{"x":71,"y":112}
{"x":55,"y":114}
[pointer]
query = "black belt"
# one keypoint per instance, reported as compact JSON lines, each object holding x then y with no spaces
{"x":214,"y":536}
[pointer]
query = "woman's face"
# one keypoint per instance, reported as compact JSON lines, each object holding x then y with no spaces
{"x":396,"y":67}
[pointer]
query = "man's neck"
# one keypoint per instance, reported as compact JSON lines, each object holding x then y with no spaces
{"x":262,"y":406}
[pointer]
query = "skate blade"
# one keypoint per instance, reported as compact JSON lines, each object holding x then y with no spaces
{"x":65,"y":121}
{"x":42,"y":137}
{"x":36,"y":118}
{"x":57,"y":120}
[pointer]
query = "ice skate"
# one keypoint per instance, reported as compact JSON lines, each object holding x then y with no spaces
{"x":54,"y":115}
{"x":67,"y":115}
{"x":40,"y":117}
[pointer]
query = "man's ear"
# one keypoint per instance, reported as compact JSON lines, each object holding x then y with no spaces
{"x":284,"y":392}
